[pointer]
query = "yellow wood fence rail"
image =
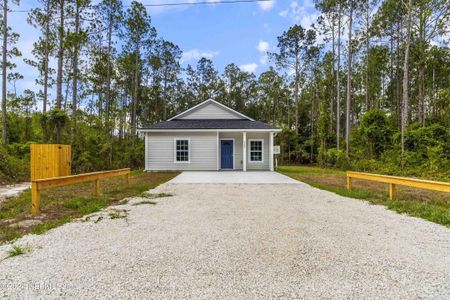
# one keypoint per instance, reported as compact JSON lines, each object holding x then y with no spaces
{"x":394,"y":180}
{"x":40,"y":184}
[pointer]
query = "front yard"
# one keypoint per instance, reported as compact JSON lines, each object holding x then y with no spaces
{"x":61,"y":204}
{"x":429,"y":205}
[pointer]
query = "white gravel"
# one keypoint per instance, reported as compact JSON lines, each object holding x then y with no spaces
{"x":236,"y":241}
{"x":13,"y":190}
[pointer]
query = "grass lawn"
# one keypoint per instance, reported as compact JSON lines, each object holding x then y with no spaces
{"x":60,"y":205}
{"x":429,"y":205}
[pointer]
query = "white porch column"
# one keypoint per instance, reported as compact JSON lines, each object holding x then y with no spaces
{"x":244,"y":151}
{"x":217,"y":154}
{"x":271,"y":151}
{"x":147,"y":167}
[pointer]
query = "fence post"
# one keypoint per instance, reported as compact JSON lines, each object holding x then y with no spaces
{"x":392,"y":191}
{"x":349,"y":183}
{"x":128,"y":178}
{"x":97,"y":187}
{"x":35,"y":199}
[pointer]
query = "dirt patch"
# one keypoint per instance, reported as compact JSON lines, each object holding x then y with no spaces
{"x":26,"y":223}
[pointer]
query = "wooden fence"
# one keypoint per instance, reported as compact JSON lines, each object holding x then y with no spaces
{"x":50,"y":160}
{"x":393,"y":181}
{"x":40,"y":184}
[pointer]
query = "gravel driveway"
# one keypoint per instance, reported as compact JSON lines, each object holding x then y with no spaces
{"x":236,"y":241}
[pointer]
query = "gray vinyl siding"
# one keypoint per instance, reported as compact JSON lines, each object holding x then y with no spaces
{"x":210,"y":111}
{"x":238,"y":159}
{"x":159,"y":149}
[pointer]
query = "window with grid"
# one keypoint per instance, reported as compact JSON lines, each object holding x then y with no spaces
{"x":182,"y":151}
{"x":256,"y":151}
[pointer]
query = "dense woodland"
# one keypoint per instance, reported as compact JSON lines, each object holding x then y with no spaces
{"x":367,"y":87}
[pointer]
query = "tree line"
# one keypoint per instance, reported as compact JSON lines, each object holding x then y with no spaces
{"x":366,"y":87}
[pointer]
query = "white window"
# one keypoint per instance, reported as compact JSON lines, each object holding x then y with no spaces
{"x":182,"y":150}
{"x":256,"y":150}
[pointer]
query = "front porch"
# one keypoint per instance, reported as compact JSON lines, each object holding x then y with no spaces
{"x":245,"y":150}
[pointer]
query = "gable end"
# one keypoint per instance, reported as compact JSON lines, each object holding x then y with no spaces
{"x":210,"y":109}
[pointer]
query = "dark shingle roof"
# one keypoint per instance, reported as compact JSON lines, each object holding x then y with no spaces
{"x":209,"y":124}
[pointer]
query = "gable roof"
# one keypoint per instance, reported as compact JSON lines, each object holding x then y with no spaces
{"x":209,"y":102}
{"x":198,"y":118}
{"x":209,"y":124}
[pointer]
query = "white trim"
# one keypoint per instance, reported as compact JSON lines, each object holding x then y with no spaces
{"x":271,"y":151}
{"x":208,"y":101}
{"x":234,"y":154}
{"x":175,"y":150}
{"x":209,"y":130}
{"x":250,"y":150}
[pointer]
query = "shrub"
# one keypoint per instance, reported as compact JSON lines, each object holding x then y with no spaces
{"x":337,"y":158}
{"x":375,"y":132}
{"x":11,"y":167}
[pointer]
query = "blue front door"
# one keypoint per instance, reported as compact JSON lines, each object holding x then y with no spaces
{"x":226,"y":154}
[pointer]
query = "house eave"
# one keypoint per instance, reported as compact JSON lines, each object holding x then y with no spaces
{"x":209,"y":130}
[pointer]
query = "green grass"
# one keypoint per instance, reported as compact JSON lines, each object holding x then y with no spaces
{"x":118,"y":214}
{"x":154,"y":196}
{"x":144,"y":203}
{"x":429,"y":205}
{"x":62,"y":204}
{"x":15,"y":251}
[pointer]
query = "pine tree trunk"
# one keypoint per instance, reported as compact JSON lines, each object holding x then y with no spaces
{"x":405,"y":101}
{"x":421,"y":96}
{"x":108,"y":71}
{"x":349,"y":82}
{"x":333,"y":71}
{"x":59,"y":77}
{"x":165,"y":99}
{"x":296,"y":90}
{"x":338,"y":80}
{"x":135,"y":93}
{"x":399,"y":79}
{"x":46,"y":55}
{"x":391,"y":70}
{"x":367,"y":54}
{"x":75,"y":72}
{"x":4,"y":62}
{"x":121,"y":116}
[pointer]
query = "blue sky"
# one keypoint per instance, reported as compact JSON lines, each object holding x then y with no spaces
{"x":226,"y":33}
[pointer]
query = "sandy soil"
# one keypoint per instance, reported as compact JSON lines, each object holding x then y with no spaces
{"x":13,"y":190}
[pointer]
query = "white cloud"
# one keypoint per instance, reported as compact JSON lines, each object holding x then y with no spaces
{"x":195,"y":54}
{"x":304,"y":14}
{"x":266,"y":5}
{"x":264,"y":59}
{"x":249,"y":67}
{"x":284,"y":13}
{"x":262,"y":46}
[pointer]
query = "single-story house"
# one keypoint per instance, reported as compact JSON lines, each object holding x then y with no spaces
{"x":209,"y":136}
